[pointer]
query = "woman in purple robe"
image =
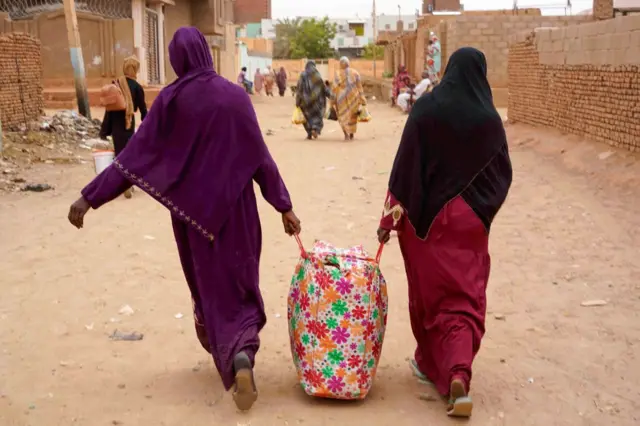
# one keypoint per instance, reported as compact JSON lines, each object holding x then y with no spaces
{"x":200,"y":160}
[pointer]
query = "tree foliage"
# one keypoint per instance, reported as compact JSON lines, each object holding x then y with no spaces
{"x":373,"y":51}
{"x":285,"y":32}
{"x":308,"y":38}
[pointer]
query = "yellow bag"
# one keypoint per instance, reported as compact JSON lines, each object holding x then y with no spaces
{"x":298,"y":117}
{"x":363,"y":115}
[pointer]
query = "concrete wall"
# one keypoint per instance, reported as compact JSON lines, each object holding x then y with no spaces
{"x":174,"y":17}
{"x":295,"y":66}
{"x":490,"y":33}
{"x":229,"y":68}
{"x":252,"y":62}
{"x":105,"y":44}
{"x":581,"y":79}
{"x":20,"y":80}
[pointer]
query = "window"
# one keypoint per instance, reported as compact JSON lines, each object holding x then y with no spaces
{"x":358,"y":29}
{"x":387,"y":27}
{"x":340,"y":42}
{"x":411,"y":26}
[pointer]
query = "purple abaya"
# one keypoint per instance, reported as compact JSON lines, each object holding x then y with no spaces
{"x":223,"y":275}
{"x":198,"y":153}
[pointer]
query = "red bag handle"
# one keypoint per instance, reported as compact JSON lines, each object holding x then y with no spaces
{"x":304,"y":255}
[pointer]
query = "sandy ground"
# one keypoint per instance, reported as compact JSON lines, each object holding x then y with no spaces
{"x":566,"y":235}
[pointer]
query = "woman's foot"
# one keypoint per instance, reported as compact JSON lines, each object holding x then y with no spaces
{"x":314,"y":134}
{"x":460,"y":404}
{"x":128,"y":193}
{"x":351,"y":137}
{"x":422,"y":378}
{"x":244,"y":391}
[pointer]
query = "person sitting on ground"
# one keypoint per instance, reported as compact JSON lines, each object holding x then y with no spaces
{"x":400,"y":83}
{"x":450,"y":177}
{"x":244,"y":82}
{"x":200,"y":163}
{"x":416,"y":92}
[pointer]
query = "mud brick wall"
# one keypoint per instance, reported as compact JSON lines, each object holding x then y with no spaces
{"x":490,"y":33}
{"x":583,"y":80}
{"x":21,"y":97}
{"x":603,"y":9}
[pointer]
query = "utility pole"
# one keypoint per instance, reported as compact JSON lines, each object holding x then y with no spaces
{"x":375,"y":39}
{"x":77,"y":62}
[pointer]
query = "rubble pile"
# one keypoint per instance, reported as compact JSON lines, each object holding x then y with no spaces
{"x":64,"y":138}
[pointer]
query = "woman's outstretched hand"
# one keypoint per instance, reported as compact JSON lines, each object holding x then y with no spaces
{"x":291,"y":223}
{"x":383,"y":235}
{"x":77,"y":212}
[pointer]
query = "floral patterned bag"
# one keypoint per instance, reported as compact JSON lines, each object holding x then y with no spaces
{"x":337,"y":312}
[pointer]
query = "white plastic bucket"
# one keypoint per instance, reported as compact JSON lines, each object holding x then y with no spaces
{"x":102,"y":160}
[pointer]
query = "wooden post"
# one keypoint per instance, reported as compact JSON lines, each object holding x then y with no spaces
{"x":77,"y":62}
{"x":0,"y":135}
{"x":375,"y":39}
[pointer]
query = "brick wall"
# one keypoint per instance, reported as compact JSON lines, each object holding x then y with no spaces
{"x":440,"y":5}
{"x":603,"y":9}
{"x":251,"y":11}
{"x":583,"y":80}
{"x":20,"y":80}
{"x":490,"y":33}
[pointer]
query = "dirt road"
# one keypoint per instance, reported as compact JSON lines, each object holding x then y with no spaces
{"x":569,"y":233}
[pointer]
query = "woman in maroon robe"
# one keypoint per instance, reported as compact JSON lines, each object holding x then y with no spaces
{"x":197,"y":153}
{"x":450,"y":177}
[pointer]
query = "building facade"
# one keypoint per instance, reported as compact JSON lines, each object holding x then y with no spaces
{"x":251,"y":11}
{"x":127,"y":27}
{"x":352,"y":34}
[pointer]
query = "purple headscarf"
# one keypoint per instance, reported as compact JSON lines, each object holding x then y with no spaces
{"x":200,"y":144}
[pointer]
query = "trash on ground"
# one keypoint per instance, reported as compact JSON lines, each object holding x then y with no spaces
{"x":37,"y":187}
{"x":126,"y":310}
{"x":128,"y":337}
{"x":593,"y":303}
{"x":178,"y":316}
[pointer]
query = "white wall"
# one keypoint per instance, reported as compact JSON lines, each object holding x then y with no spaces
{"x":251,"y":62}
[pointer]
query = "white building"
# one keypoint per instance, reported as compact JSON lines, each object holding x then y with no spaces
{"x":353,"y":34}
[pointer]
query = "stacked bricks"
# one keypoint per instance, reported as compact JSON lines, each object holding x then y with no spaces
{"x":575,"y":90}
{"x":21,"y":99}
{"x":602,"y":9}
{"x":490,"y":34}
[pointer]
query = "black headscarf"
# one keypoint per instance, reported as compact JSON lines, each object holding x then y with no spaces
{"x":451,"y":136}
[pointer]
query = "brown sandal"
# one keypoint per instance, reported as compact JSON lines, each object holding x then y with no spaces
{"x":460,"y":404}
{"x":244,"y":391}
